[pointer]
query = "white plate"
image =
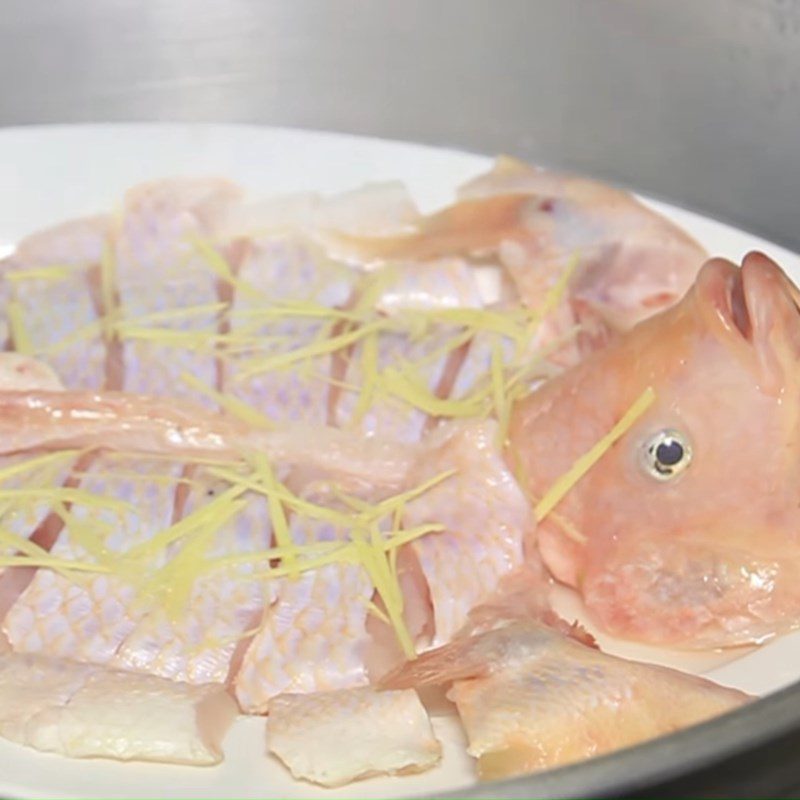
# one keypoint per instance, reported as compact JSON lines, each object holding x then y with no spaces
{"x":53,"y":173}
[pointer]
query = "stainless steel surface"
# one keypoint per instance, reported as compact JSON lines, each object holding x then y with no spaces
{"x":693,"y":101}
{"x":697,"y":102}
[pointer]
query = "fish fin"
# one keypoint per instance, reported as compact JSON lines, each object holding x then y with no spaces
{"x":505,"y":172}
{"x":472,"y":225}
{"x":522,"y":598}
{"x":460,"y":659}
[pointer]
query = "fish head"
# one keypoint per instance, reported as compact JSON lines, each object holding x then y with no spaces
{"x":687,"y":530}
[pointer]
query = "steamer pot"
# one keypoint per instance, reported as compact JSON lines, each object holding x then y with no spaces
{"x":697,"y":103}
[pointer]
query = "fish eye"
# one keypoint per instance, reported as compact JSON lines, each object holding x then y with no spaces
{"x":666,"y":455}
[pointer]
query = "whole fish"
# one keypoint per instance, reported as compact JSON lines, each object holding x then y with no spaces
{"x":353,"y":503}
{"x":654,"y":537}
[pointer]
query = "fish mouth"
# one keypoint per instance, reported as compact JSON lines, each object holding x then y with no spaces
{"x":721,"y":284}
{"x":740,"y":298}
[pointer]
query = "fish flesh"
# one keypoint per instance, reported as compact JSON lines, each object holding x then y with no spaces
{"x":485,"y":520}
{"x":313,"y":638}
{"x":199,"y":645}
{"x":531,"y":698}
{"x":114,"y":508}
{"x":52,"y":297}
{"x":85,"y":711}
{"x":333,"y":738}
{"x":158,"y":337}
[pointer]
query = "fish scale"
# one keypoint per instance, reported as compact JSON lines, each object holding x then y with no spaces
{"x":424,"y":351}
{"x":439,"y":284}
{"x":59,"y":322}
{"x":332,"y":738}
{"x":284,"y":270}
{"x":392,"y":417}
{"x":52,"y":278}
{"x":198,"y":644}
{"x":313,"y":637}
{"x":477,"y":363}
{"x":485,"y":516}
{"x":161,"y":224}
{"x":21,"y":517}
{"x":86,"y":617}
{"x":153,"y":366}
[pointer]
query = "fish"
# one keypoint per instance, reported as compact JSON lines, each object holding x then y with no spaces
{"x":201,"y":642}
{"x":294,"y":649}
{"x":313,"y":637}
{"x":658,"y":553}
{"x":221,"y":259}
{"x":330,"y":442}
{"x":23,"y":514}
{"x":86,"y":711}
{"x":630,"y":262}
{"x":54,"y":421}
{"x":485,"y":517}
{"x":275,"y":271}
{"x":683,"y":534}
{"x":333,"y":738}
{"x":142,"y":529}
{"x":531,"y":698}
{"x":307,"y":633}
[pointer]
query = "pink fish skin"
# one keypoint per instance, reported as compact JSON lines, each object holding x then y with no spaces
{"x":632,"y":262}
{"x":53,"y":278}
{"x":159,"y":222}
{"x":704,"y":552}
{"x":531,"y":698}
{"x":629,"y":261}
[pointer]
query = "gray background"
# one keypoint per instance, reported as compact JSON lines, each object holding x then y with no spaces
{"x":696,"y":101}
{"x":692,"y":100}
